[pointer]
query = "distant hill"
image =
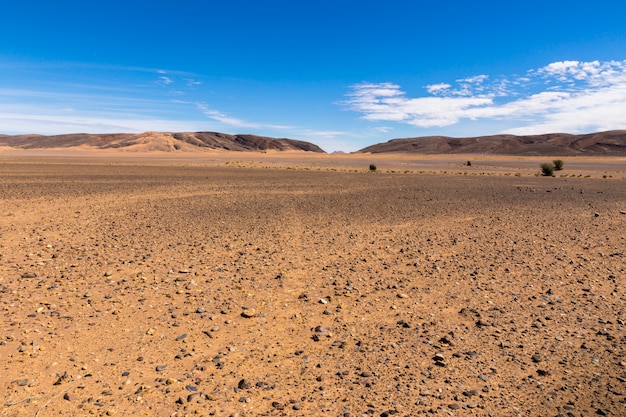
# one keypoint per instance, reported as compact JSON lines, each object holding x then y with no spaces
{"x":156,"y":141}
{"x":611,"y":143}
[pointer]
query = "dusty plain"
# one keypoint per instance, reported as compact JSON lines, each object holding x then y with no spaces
{"x":235,"y":284}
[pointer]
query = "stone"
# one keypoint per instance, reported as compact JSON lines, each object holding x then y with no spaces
{"x":249,"y":313}
{"x":278,"y":405}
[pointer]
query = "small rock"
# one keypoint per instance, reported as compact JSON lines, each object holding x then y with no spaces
{"x":278,"y":405}
{"x":602,"y":412}
{"x":160,"y":368}
{"x":68,"y":397}
{"x":29,"y":275}
{"x":181,"y":337}
{"x":446,"y":340}
{"x":249,"y":313}
{"x":108,"y":273}
{"x":403,"y":295}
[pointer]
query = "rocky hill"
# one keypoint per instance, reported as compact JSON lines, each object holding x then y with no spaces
{"x":602,"y":143}
{"x":156,"y":141}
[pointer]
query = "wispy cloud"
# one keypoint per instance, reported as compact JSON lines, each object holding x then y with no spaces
{"x":570,"y":96}
{"x":223,"y":118}
{"x":164,"y":80}
{"x":34,"y":122}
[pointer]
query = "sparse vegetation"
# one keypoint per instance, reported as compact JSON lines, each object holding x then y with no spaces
{"x":558,"y":164}
{"x":547,"y":169}
{"x":372,"y":168}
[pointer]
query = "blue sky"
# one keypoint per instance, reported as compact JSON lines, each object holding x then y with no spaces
{"x":341,"y":74}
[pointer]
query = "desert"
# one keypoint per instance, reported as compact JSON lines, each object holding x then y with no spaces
{"x":298,"y":283}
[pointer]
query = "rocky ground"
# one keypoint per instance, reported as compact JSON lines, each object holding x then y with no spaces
{"x":129,"y":289}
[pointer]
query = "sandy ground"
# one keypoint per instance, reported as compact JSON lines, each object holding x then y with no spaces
{"x":273,"y":285}
{"x":597,"y":167}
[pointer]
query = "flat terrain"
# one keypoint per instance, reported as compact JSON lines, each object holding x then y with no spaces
{"x":249,"y":285}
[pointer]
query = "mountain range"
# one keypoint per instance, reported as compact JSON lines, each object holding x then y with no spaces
{"x":593,"y":144}
{"x":609,"y":143}
{"x":159,"y":141}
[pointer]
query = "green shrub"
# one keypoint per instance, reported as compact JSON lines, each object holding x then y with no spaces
{"x":558,"y":164}
{"x":547,"y":170}
{"x":372,"y":168}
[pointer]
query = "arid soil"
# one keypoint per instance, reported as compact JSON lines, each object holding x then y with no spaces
{"x":153,"y":287}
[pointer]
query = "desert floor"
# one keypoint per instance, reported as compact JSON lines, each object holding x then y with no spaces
{"x":289,"y":285}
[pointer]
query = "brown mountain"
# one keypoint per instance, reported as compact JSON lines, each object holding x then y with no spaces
{"x":156,"y":141}
{"x":603,"y":143}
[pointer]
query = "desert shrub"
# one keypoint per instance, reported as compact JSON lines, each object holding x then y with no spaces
{"x":547,"y":170}
{"x":558,"y":164}
{"x":372,"y":168}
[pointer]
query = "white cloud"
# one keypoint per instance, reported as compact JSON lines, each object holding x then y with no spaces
{"x":476,"y":79}
{"x":567,"y":96}
{"x":436,"y":89}
{"x":192,"y":83}
{"x":222,"y":118}
{"x":393,"y":105}
{"x":235,"y":122}
{"x":165,"y":80}
{"x":52,"y":124}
